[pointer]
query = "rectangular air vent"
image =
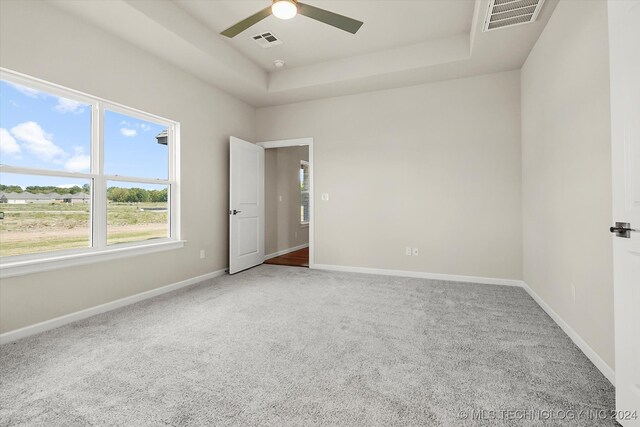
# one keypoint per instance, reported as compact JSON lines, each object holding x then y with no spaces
{"x":266,"y":40}
{"x":507,"y":13}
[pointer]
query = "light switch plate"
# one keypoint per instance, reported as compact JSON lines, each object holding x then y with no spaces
{"x":325,"y":196}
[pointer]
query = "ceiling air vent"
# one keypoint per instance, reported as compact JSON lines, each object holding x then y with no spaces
{"x":266,"y":40}
{"x":507,"y":13}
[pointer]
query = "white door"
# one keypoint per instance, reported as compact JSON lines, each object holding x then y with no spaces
{"x":624,"y":48}
{"x":246,"y":205}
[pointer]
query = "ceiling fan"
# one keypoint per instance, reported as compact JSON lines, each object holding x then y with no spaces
{"x":287,"y":9}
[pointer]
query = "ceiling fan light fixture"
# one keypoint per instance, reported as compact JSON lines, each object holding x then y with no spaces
{"x":284,"y":9}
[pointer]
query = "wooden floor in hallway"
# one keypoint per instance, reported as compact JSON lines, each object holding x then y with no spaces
{"x":299,"y":258}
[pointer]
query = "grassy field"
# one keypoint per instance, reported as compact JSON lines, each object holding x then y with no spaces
{"x":36,"y":228}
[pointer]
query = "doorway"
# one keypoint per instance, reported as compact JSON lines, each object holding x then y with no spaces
{"x":288,"y":202}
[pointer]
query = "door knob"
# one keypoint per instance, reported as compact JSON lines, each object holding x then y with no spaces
{"x":622,"y":229}
{"x":234,"y":212}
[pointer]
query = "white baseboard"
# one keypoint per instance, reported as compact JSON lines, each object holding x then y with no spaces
{"x":286,"y":251}
{"x":17,"y":334}
{"x":606,"y":370}
{"x":420,"y":275}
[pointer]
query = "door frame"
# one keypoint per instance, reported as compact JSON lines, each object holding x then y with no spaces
{"x":297,"y":142}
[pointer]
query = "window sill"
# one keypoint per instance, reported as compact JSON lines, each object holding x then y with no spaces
{"x":19,"y":268}
{"x":304,"y":225}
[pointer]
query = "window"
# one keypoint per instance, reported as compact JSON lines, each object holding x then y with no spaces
{"x":80,"y":175}
{"x":136,"y":165}
{"x":304,"y":192}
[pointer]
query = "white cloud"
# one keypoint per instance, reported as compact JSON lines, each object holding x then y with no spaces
{"x":31,"y":93}
{"x":128,"y":132}
{"x":79,"y":162}
{"x":145,"y":127}
{"x":37,"y":141}
{"x":8,"y":144}
{"x":68,"y":106}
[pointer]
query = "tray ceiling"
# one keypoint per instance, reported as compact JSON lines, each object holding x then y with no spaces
{"x":401,"y":43}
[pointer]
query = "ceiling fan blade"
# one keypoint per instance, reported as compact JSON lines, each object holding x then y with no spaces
{"x":339,"y":21}
{"x":246,"y":23}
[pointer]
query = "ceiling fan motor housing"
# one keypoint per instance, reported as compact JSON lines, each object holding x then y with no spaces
{"x":284,"y":9}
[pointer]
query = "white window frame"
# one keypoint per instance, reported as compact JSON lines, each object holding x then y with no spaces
{"x":305,"y":163}
{"x":98,"y":250}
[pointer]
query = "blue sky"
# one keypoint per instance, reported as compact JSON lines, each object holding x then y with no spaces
{"x":44,"y":131}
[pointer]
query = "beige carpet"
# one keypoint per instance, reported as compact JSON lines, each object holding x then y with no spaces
{"x":281,"y":346}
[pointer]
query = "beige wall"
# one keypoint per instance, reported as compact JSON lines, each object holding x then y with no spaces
{"x":566,"y":174}
{"x":435,"y":166}
{"x":282,"y":217}
{"x":38,"y":39}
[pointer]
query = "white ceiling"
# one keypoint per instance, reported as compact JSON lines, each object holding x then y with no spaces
{"x":401,"y":43}
{"x":306,"y":41}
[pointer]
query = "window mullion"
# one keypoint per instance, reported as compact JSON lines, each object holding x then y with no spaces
{"x":138,"y":180}
{"x":99,"y":210}
{"x":44,"y":172}
{"x":174,"y":190}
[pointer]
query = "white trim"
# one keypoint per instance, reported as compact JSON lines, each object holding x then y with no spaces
{"x":420,"y":275}
{"x":312,"y":221}
{"x":74,"y":258}
{"x":285,"y":251}
{"x":24,"y":264}
{"x":175,"y":230}
{"x":58,"y":90}
{"x":99,"y":206}
{"x":46,"y":87}
{"x":606,"y":370}
{"x":46,"y":172}
{"x":282,"y":143}
{"x":131,"y":180}
{"x":17,"y":334}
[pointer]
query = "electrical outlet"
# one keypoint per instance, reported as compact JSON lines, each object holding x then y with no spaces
{"x":573,"y":292}
{"x":325,"y":196}
{"x":279,"y":198}
{"x":202,"y":254}
{"x":415,"y":251}
{"x":295,"y":234}
{"x":407,"y":251}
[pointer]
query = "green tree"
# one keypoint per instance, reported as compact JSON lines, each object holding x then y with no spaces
{"x":117,"y":194}
{"x":158,"y":196}
{"x":137,"y":195}
{"x":75,"y":189}
{"x":10,"y":188}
